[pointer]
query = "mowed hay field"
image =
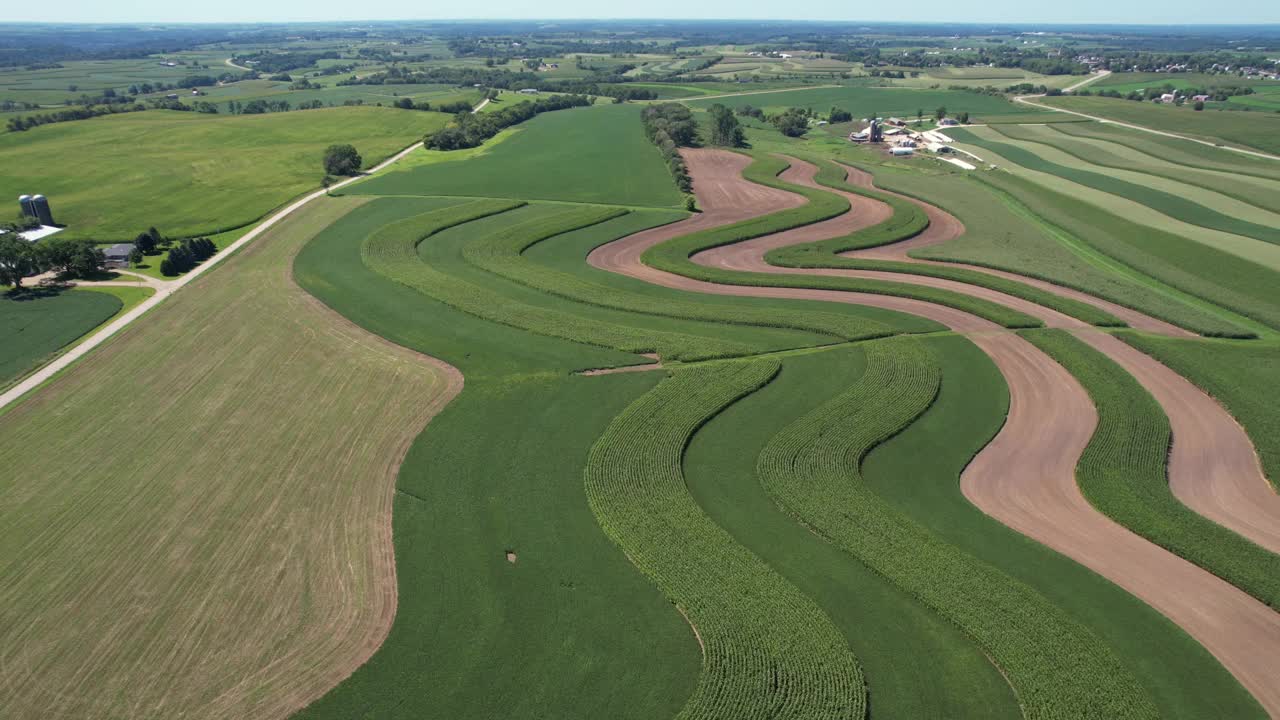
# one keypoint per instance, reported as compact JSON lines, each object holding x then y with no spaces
{"x":1257,"y":130}
{"x":595,"y":154}
{"x":188,"y":173}
{"x":195,"y":519}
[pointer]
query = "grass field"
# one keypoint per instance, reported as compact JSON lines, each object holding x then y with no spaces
{"x":1005,"y":236}
{"x":1204,"y":183}
{"x":111,"y":178}
{"x":883,"y":101}
{"x":595,"y":155}
{"x":1114,"y":198}
{"x":1187,"y":203}
{"x":35,"y":325}
{"x":1186,"y":265}
{"x":116,"y":590}
{"x":1257,"y":130}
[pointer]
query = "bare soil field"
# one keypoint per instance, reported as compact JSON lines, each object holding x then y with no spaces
{"x":221,"y":548}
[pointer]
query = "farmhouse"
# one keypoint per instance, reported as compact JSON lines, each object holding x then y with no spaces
{"x":118,"y":255}
{"x":529,"y":91}
{"x":948,"y":122}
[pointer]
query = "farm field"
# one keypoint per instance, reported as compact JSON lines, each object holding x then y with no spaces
{"x":112,"y":177}
{"x":1255,"y":130}
{"x":884,"y":101}
{"x":610,"y":161}
{"x":35,"y":325}
{"x":639,"y":409}
{"x":279,"y":539}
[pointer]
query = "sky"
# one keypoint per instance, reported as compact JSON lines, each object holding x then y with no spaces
{"x":1005,"y":11}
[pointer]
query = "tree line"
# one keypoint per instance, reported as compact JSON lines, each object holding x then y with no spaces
{"x":470,"y":130}
{"x":671,"y":126}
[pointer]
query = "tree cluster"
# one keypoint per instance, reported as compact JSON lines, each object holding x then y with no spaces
{"x":468,"y":130}
{"x":839,"y":115}
{"x":278,"y":62}
{"x":793,"y":122}
{"x":64,"y":256}
{"x":725,"y":129}
{"x":671,"y":126}
{"x":186,"y":255}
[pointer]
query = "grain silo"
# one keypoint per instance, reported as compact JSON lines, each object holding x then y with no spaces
{"x":28,"y":210}
{"x":41,"y":206}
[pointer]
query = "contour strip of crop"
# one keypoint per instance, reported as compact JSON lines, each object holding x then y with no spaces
{"x":1254,"y":191}
{"x":768,"y":650}
{"x":1058,"y":668}
{"x":1165,"y":203}
{"x":501,"y":254}
{"x":907,"y":221}
{"x":391,"y":251}
{"x":1128,"y":287}
{"x":1122,"y":473}
{"x":674,"y":255}
{"x":1214,"y":276}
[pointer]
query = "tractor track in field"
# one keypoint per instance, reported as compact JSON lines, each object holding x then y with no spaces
{"x":1025,"y":477}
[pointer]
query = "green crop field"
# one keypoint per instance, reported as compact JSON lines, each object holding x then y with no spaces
{"x":1257,"y":130}
{"x":517,"y":431}
{"x":597,"y":155}
{"x":111,"y":178}
{"x":883,"y":101}
{"x":36,"y":324}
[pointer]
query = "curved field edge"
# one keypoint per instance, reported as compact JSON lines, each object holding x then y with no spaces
{"x":1236,"y":374}
{"x":768,"y":650}
{"x":917,"y":663}
{"x":1122,"y":472}
{"x":292,"y":540}
{"x":537,"y":637}
{"x":674,"y":255}
{"x":907,"y":221}
{"x":814,"y":474}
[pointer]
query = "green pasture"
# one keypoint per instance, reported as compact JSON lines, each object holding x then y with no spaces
{"x":188,"y":174}
{"x":1257,"y":130}
{"x":52,"y":86}
{"x":883,"y":101}
{"x":594,"y":155}
{"x":37,"y":323}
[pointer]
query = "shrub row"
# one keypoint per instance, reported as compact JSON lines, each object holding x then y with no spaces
{"x":768,"y":650}
{"x":1057,"y":667}
{"x":391,"y":252}
{"x":501,"y":254}
{"x":1123,"y":473}
{"x":909,"y":220}
{"x":673,"y":256}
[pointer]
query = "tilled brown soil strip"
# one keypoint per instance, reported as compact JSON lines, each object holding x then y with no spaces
{"x":1026,"y":476}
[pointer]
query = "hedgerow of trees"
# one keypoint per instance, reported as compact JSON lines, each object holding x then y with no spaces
{"x":186,"y":255}
{"x":671,"y":126}
{"x":470,"y":130}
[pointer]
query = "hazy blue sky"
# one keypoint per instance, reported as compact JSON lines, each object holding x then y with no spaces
{"x":1021,"y":11}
